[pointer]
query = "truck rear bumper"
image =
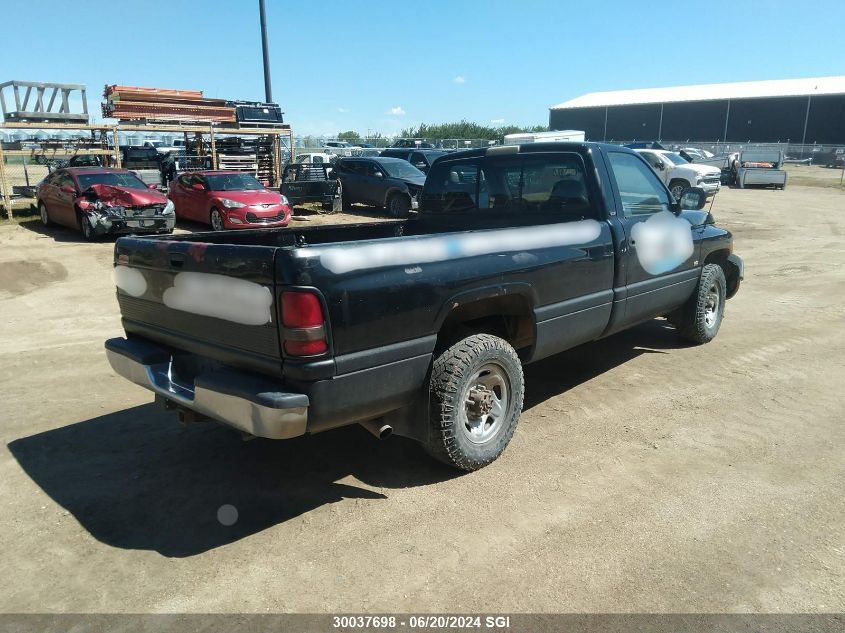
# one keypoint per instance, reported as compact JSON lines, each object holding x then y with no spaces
{"x":238,"y":399}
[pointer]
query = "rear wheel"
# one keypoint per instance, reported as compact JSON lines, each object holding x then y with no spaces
{"x":476,"y":390}
{"x":216,"y":220}
{"x":45,"y":215}
{"x":398,"y":205}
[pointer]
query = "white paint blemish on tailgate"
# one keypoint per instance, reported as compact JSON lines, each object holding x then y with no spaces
{"x":236,"y":300}
{"x":130,"y":280}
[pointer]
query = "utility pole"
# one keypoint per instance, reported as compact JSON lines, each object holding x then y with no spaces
{"x":268,"y":90}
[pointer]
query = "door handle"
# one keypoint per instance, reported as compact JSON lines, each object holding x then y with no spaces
{"x":177,"y":260}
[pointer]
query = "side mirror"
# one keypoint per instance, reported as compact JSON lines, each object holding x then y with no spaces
{"x":693,"y":199}
{"x":197,"y":187}
{"x":661,"y":166}
{"x":68,"y":189}
{"x":378,"y":174}
{"x":152,"y":185}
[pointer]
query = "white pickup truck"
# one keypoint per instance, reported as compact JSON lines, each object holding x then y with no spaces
{"x":679,"y":174}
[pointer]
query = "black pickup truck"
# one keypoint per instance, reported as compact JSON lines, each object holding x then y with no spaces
{"x":303,"y":183}
{"x":421,"y":326}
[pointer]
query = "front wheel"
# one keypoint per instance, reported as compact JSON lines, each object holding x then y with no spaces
{"x":216,"y":219}
{"x":699,"y":320}
{"x":398,"y":205}
{"x":86,"y":228}
{"x":476,"y":390}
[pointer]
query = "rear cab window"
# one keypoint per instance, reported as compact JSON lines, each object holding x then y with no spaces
{"x":545,"y":187}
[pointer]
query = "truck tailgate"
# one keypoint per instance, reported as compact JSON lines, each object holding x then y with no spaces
{"x":202,"y":298}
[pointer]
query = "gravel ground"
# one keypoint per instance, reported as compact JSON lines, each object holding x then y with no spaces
{"x":645,"y":475}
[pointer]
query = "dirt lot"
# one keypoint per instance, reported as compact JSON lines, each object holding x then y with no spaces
{"x":644,"y":476}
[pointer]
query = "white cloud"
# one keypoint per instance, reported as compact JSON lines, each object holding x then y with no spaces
{"x":343,"y":110}
{"x":497,"y":121}
{"x":397,"y":111}
{"x":460,"y":79}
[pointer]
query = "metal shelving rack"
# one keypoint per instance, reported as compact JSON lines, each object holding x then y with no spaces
{"x":111,"y":154}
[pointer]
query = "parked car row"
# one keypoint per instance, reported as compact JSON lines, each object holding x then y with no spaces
{"x":100,"y":201}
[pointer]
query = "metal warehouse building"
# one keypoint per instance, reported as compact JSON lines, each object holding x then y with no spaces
{"x":801,"y":111}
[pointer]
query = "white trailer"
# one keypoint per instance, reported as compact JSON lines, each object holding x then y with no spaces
{"x":574,"y":136}
{"x":761,"y":167}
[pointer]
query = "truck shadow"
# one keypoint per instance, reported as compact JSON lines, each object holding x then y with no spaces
{"x":135,"y":479}
{"x":555,"y":375}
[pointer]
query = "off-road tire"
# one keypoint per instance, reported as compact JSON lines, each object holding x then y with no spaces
{"x":449,"y":385}
{"x":398,"y":205}
{"x":45,"y":214}
{"x":692,"y":319}
{"x":683,"y":184}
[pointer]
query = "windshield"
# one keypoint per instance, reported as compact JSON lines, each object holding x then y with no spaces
{"x":233,"y":182}
{"x":675,"y":158}
{"x":401,"y":169}
{"x":115,"y":179}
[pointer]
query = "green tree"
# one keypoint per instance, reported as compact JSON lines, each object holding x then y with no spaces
{"x":350,"y":135}
{"x":466,"y":130}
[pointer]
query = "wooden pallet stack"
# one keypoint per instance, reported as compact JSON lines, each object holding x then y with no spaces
{"x":133,"y":103}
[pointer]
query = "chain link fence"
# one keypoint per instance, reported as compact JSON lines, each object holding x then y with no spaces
{"x":824,"y":155}
{"x":27,"y":157}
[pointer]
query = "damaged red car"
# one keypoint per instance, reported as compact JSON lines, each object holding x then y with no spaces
{"x":228,"y":200}
{"x":100,"y":201}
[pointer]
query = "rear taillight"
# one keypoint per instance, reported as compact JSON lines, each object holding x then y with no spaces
{"x":304,"y":332}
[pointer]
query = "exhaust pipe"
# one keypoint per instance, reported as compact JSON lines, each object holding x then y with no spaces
{"x":378,"y":428}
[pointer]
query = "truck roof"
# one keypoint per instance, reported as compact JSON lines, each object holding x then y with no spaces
{"x":532,"y":148}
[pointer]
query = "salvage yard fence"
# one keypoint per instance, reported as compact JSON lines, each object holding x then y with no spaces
{"x":791,"y":150}
{"x":796,"y":151}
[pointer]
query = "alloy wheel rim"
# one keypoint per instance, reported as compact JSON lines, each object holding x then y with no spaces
{"x":216,"y":220}
{"x":486,"y":402}
{"x":44,"y":217}
{"x":711,"y":307}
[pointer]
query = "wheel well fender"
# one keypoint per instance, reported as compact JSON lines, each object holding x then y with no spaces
{"x":505,"y":310}
{"x":395,"y":190}
{"x":721,"y":258}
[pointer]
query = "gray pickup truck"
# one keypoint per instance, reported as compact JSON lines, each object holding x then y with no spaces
{"x":421,"y":326}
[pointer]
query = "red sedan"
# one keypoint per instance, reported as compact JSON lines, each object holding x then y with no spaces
{"x":227,"y":200}
{"x":98,"y":200}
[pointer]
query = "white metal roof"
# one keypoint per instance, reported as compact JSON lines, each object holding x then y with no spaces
{"x":706,"y":92}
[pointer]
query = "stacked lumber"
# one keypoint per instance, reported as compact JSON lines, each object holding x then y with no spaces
{"x":133,"y":103}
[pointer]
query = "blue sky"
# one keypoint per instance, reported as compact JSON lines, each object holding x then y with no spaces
{"x":385,"y":65}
